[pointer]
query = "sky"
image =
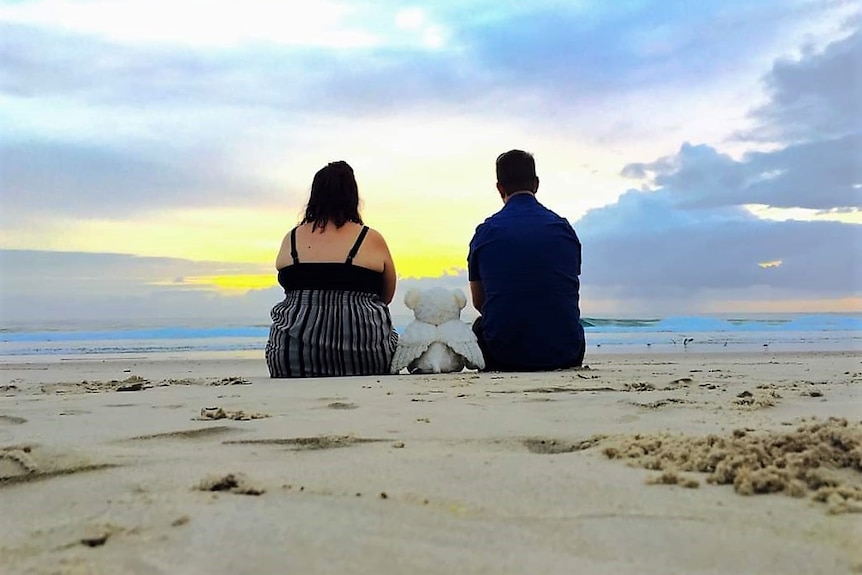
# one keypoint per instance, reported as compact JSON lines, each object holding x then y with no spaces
{"x":153,"y":153}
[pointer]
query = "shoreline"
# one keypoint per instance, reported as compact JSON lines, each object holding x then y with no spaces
{"x":205,"y":338}
{"x":593,"y":351}
{"x":467,"y":472}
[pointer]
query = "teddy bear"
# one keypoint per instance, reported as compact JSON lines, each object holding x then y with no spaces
{"x":437,"y":341}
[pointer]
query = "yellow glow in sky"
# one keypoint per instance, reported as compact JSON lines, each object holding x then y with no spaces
{"x":803,"y":214}
{"x":226,"y":284}
{"x":421,"y":246}
{"x":770,"y":264}
{"x":207,"y":234}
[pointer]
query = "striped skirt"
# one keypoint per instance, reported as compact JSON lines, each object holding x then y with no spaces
{"x":324,"y":333}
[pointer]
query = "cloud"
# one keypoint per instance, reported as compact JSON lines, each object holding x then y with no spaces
{"x":162,"y":108}
{"x":42,"y":286}
{"x":820,"y":175}
{"x":109,"y":118}
{"x":196,"y":23}
{"x":687,"y":235}
{"x":291,"y":81}
{"x":812,"y":113}
{"x":152,"y":107}
{"x":815,"y":96}
{"x":561,"y":53}
{"x":35,"y":272}
{"x":671,"y":253}
{"x":100,"y":180}
{"x":47,"y":286}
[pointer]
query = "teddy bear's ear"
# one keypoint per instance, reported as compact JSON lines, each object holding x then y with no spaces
{"x":460,"y":297}
{"x":411,"y":298}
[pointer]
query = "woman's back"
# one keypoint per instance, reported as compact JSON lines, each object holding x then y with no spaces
{"x":338,"y":278}
{"x":352,"y":244}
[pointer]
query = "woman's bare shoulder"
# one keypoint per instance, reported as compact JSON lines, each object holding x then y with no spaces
{"x":378,"y":245}
{"x":284,"y":258}
{"x":375,"y":235}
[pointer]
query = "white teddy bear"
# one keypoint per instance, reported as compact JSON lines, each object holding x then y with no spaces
{"x":437,"y":341}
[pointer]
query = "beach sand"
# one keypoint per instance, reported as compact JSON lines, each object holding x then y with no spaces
{"x":674,"y":463}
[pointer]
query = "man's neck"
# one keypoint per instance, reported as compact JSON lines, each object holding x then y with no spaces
{"x":519,"y":193}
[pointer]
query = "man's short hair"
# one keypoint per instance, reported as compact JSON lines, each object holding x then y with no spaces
{"x":516,"y":171}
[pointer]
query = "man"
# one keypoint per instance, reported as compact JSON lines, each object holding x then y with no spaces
{"x":523,"y":266}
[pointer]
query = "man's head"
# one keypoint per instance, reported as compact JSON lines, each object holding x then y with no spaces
{"x":516,"y":172}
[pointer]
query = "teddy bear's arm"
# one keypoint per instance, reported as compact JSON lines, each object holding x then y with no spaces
{"x":461,"y":339}
{"x":417,"y":337}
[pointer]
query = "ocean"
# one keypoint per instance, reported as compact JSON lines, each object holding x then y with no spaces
{"x":235,"y":339}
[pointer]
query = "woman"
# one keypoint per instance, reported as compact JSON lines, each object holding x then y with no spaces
{"x":338,"y":277}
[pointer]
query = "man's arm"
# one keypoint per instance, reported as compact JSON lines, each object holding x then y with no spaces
{"x":477,"y":291}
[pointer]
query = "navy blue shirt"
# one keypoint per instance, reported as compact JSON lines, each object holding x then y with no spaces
{"x":528,"y":259}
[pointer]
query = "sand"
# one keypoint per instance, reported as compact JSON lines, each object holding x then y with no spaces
{"x":676,"y":463}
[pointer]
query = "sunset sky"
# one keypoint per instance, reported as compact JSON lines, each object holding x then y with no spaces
{"x":153,"y":153}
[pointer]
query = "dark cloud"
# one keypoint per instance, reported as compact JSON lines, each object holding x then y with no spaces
{"x":109,"y":180}
{"x":688,"y":237}
{"x":816,"y":96}
{"x":820,"y":175}
{"x":814,"y":111}
{"x":43,"y":63}
{"x":44,"y":286}
{"x":28,"y":269}
{"x":651,"y":249}
{"x":638,"y":211}
{"x":571,"y":54}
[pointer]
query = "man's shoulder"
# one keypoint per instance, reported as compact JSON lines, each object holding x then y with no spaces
{"x":554,"y":216}
{"x":492,"y":221}
{"x":550,"y":213}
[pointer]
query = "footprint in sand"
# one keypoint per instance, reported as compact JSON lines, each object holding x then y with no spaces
{"x":16,"y":462}
{"x":310,"y":443}
{"x":11,"y":420}
{"x":239,"y":415}
{"x":24,"y":463}
{"x":342,"y":405}
{"x":555,"y":446}
{"x":199,"y":433}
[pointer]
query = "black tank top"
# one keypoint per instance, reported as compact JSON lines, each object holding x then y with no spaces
{"x":328,"y":275}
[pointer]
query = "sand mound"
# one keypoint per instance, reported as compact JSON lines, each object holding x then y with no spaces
{"x":232,"y":483}
{"x":239,"y":415}
{"x":819,"y":458}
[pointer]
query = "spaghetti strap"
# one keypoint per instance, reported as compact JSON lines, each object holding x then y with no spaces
{"x":293,"y":253}
{"x":355,"y":249}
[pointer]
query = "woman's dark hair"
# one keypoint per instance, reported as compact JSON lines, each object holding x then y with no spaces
{"x":516,"y":171}
{"x":334,"y":197}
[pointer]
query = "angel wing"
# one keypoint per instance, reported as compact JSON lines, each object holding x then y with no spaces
{"x":417,"y":337}
{"x":458,"y":336}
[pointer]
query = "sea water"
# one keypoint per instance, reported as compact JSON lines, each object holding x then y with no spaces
{"x":237,"y":339}
{"x":723,"y":333}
